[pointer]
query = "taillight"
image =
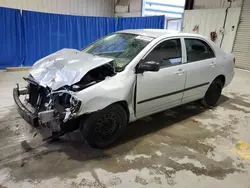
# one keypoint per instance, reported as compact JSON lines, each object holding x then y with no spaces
{"x":234,"y":60}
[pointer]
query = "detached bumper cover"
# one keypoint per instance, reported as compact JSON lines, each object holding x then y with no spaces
{"x":27,"y":115}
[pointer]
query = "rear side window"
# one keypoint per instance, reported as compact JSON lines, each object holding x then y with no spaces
{"x":198,"y":50}
{"x":167,"y":53}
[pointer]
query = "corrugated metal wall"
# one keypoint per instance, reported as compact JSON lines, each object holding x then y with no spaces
{"x":231,"y":27}
{"x":241,"y":48}
{"x":73,"y":7}
{"x":205,"y":4}
{"x":209,"y":20}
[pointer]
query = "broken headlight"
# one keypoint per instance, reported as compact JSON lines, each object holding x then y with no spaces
{"x":75,"y":105}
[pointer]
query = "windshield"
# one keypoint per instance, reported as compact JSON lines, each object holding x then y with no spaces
{"x":119,"y":46}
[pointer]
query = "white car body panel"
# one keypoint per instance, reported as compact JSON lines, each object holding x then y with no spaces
{"x":111,"y":90}
{"x":134,"y":88}
{"x":65,"y":67}
{"x":169,"y":79}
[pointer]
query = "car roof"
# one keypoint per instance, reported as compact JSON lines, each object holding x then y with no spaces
{"x":155,"y":33}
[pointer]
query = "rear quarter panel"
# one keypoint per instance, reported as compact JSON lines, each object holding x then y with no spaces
{"x":225,"y":63}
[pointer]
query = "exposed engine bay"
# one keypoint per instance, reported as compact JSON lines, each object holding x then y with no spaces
{"x":56,"y":109}
{"x":94,"y":76}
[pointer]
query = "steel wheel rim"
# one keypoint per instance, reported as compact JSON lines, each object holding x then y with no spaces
{"x":106,"y":127}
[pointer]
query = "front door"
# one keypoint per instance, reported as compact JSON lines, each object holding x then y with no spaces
{"x":157,"y":91}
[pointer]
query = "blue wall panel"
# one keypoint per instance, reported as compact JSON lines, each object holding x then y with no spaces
{"x":34,"y":35}
{"x":46,"y":33}
{"x":152,"y":22}
{"x":11,"y":39}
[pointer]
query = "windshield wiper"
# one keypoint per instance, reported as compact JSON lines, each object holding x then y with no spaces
{"x":108,"y":52}
{"x":119,"y":69}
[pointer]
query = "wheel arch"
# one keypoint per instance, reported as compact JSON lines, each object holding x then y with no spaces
{"x":222,"y":78}
{"x":124,"y":105}
{"x":209,"y":100}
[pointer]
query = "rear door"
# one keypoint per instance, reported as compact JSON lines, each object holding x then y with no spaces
{"x":200,"y":66}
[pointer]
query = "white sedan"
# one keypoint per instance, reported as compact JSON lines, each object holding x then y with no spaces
{"x":120,"y":78}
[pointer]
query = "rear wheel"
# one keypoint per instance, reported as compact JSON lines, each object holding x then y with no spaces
{"x":213,"y":94}
{"x":103,"y":128}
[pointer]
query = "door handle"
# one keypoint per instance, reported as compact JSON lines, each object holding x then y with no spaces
{"x":212,"y":64}
{"x":180,"y":72}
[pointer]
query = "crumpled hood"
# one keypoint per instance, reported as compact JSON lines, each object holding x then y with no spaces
{"x":65,"y":67}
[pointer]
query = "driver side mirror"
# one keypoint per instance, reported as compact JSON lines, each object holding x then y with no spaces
{"x":150,"y":66}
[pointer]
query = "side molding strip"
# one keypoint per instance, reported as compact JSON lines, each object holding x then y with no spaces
{"x":173,"y":93}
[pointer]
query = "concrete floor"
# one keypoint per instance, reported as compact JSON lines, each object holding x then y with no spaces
{"x":184,"y":147}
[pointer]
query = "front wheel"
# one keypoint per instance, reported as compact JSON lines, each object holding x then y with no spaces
{"x":213,"y":94}
{"x":103,"y":128}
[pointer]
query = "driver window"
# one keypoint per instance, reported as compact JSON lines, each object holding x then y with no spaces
{"x":167,"y":53}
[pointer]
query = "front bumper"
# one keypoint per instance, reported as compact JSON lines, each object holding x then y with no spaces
{"x":24,"y":112}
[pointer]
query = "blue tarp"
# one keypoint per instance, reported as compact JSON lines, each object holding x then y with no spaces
{"x":24,"y":40}
{"x":11,"y":39}
{"x":46,"y":33}
{"x":152,"y":22}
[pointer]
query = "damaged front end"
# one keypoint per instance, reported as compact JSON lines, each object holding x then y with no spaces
{"x":45,"y":108}
{"x":50,"y":98}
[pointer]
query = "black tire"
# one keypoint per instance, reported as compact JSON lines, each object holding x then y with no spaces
{"x":213,"y":94}
{"x":103,"y":128}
